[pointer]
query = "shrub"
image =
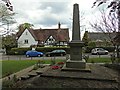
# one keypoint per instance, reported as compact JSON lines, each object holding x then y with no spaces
{"x":10,"y":82}
{"x":113,"y":58}
{"x":22,"y":51}
{"x":92,"y":44}
{"x":110,"y":49}
{"x":7,"y":83}
{"x":18,"y":51}
{"x":86,"y":57}
{"x":88,"y":49}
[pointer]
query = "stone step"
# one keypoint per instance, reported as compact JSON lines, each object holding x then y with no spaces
{"x":42,"y":70}
{"x":24,"y":77}
{"x":32,"y":74}
{"x":81,"y":78}
{"x":39,"y":72}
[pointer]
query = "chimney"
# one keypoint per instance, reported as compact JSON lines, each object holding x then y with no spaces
{"x":59,"y":25}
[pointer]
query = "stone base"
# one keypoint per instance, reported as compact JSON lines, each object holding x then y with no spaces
{"x":76,"y":64}
{"x":86,"y":69}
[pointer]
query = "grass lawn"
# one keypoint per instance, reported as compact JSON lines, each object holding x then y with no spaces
{"x":12,"y":66}
{"x":99,"y":60}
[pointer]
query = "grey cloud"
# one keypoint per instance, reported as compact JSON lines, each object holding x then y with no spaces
{"x":57,"y":7}
{"x":51,"y":20}
{"x":47,"y":21}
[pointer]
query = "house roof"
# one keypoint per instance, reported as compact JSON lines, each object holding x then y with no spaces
{"x":94,"y":36}
{"x":60,"y":34}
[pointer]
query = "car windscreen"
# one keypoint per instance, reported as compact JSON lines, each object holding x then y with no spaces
{"x":101,"y":49}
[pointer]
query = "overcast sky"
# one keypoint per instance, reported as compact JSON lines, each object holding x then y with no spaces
{"x":47,"y":13}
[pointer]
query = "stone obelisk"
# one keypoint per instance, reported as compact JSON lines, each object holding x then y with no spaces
{"x":76,"y":44}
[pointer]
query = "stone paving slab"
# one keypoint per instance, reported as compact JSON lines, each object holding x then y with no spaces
{"x":32,"y":74}
{"x":87,"y":69}
{"x":39,"y":72}
{"x":24,"y":77}
{"x":43,"y":69}
{"x":97,"y":73}
{"x":99,"y":77}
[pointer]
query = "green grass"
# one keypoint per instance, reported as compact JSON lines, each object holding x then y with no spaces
{"x":99,"y":60}
{"x":12,"y":66}
{"x":49,"y":61}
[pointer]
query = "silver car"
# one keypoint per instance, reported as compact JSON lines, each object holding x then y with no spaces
{"x":99,"y":51}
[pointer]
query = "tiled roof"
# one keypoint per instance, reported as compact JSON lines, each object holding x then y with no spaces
{"x":100,"y":36}
{"x":61,"y":34}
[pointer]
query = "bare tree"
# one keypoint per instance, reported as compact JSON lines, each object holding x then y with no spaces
{"x":6,"y":17}
{"x":8,"y":4}
{"x":114,"y":6}
{"x":108,"y":24}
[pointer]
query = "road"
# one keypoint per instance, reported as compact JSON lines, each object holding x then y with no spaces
{"x":23,"y":57}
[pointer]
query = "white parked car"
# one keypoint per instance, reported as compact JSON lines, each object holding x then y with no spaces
{"x":99,"y":51}
{"x":2,"y":50}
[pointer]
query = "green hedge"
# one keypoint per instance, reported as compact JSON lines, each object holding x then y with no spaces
{"x":110,"y":49}
{"x":89,"y":48}
{"x":22,"y":51}
{"x":49,"y":49}
{"x":18,"y":51}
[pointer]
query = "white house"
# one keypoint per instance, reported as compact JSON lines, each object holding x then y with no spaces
{"x":28,"y":37}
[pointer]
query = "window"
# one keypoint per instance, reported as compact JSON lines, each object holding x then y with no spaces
{"x":26,"y":33}
{"x":50,"y":39}
{"x":26,"y":41}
